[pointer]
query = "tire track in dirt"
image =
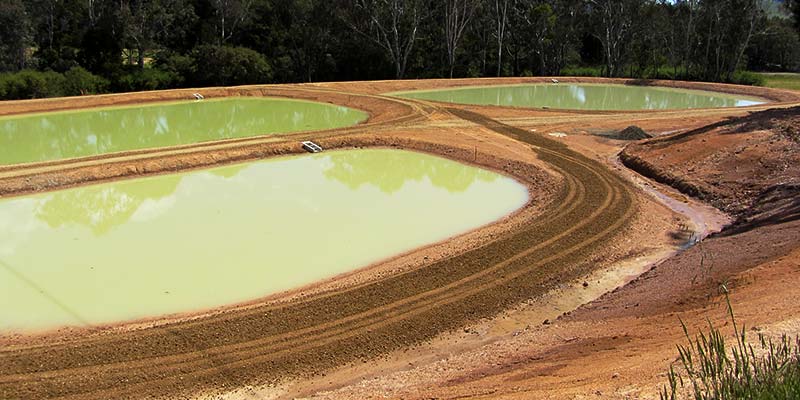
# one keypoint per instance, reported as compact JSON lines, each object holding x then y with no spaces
{"x":307,"y":336}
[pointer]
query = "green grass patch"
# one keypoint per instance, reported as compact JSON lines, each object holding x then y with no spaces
{"x":711,"y":369}
{"x":582,"y":71}
{"x":782,"y":80}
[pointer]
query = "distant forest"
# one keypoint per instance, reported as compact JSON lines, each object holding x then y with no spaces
{"x":73,"y":47}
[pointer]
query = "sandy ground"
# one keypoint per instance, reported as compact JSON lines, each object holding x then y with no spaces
{"x":462,"y":318}
{"x":622,"y":345}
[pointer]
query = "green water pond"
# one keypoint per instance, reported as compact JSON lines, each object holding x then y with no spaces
{"x":181,"y":243}
{"x":584,"y":97}
{"x":70,"y":134}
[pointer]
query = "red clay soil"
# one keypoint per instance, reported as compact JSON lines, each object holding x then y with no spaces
{"x":583,"y":210}
{"x":621,"y":345}
{"x":731,"y":164}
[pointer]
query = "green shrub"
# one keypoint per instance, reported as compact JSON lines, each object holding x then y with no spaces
{"x":7,"y":90}
{"x":223,"y":66}
{"x":180,"y":66}
{"x":41,"y":84}
{"x":747,"y":78}
{"x":145,"y":79}
{"x":78,"y":81}
{"x":29,"y":84}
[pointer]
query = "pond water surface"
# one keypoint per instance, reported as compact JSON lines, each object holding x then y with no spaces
{"x":70,"y":134}
{"x":186,"y":242}
{"x":584,"y":97}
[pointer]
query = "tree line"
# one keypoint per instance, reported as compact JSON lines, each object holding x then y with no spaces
{"x":71,"y":47}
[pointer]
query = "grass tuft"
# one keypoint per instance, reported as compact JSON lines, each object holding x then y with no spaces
{"x":712,"y":370}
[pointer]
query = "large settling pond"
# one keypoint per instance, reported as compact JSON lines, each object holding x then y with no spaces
{"x":584,"y":97}
{"x":69,"y":134}
{"x":181,"y":243}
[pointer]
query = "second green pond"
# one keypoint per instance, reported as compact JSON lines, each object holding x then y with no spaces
{"x":584,"y":97}
{"x":71,"y":134}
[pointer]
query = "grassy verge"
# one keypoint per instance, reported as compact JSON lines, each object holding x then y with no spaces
{"x":782,"y":80}
{"x":711,"y":369}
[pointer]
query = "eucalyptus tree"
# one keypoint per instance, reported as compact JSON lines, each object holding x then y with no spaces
{"x":681,"y":30}
{"x":230,"y":16}
{"x":544,"y":34}
{"x":58,"y":28}
{"x":728,"y":28}
{"x":15,"y":35}
{"x":650,"y":45}
{"x":457,"y":17}
{"x":392,"y":25}
{"x":749,"y":18}
{"x":101,"y":44}
{"x":541,"y":22}
{"x":793,"y":6}
{"x":147,"y":23}
{"x":614,"y":28}
{"x":478,"y":42}
{"x":500,"y":13}
{"x":309,"y":37}
{"x":44,"y":20}
{"x":689,"y":40}
{"x":569,"y":27}
{"x":520,"y":34}
{"x":777,"y":47}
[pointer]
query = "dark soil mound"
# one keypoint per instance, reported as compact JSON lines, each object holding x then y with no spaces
{"x":632,"y":132}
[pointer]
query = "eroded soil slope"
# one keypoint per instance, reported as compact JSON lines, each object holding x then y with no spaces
{"x":737,"y":165}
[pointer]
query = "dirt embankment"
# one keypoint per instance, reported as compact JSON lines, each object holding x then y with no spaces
{"x":745,"y":166}
{"x":621,"y":345}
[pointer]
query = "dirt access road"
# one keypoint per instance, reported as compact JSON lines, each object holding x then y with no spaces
{"x":621,"y":344}
{"x":580,"y":210}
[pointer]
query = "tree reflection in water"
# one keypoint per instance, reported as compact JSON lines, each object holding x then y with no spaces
{"x":389,"y":171}
{"x":59,"y":135}
{"x":103,"y":207}
{"x":585,"y":96}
